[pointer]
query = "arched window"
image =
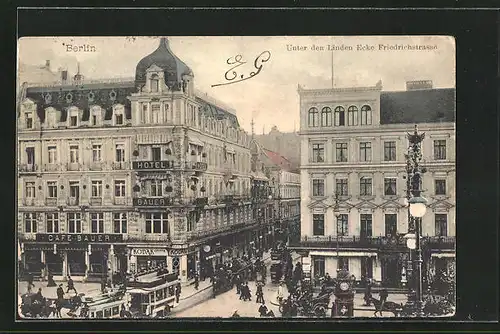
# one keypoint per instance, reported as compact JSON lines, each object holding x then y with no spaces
{"x":326,"y":116}
{"x":155,"y":83}
{"x":339,"y":116}
{"x":313,"y":117}
{"x":366,"y":115}
{"x":352,"y":115}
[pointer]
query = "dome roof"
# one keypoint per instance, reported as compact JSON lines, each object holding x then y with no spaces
{"x":164,"y":58}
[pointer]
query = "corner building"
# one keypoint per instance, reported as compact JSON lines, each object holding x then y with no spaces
{"x":121,"y":175}
{"x":353,"y":144}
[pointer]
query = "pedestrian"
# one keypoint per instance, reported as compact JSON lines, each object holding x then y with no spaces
{"x":383,"y":294}
{"x":71,"y":285}
{"x":196,"y":281}
{"x":247,"y":295}
{"x":334,"y":312}
{"x":29,"y":279}
{"x":177,"y":293}
{"x":103,"y":285}
{"x":263,"y":310}
{"x":50,"y":280}
{"x":38,"y":296}
{"x":260,"y":294}
{"x":368,"y":292}
{"x":235,"y":314}
{"x":281,"y":292}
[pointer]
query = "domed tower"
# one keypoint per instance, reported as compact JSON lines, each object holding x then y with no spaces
{"x":163,"y":66}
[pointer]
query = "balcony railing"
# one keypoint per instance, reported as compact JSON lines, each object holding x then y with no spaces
{"x":28,"y":168}
{"x":52,"y":167}
{"x":52,"y":201}
{"x":97,"y":166}
{"x":148,"y":237}
{"x":96,"y":201}
{"x":73,"y":166}
{"x":380,"y":242}
{"x":29,"y":201}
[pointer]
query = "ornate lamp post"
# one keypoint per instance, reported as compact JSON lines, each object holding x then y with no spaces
{"x":336,"y":212}
{"x":417,"y":209}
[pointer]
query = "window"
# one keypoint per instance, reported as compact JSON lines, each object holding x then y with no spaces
{"x":156,"y":188}
{"x":155,"y":83}
{"x":73,"y":121}
{"x":352,"y":113}
{"x":366,"y":225}
{"x":96,"y":153}
{"x":96,"y":188}
{"x":155,"y":111}
{"x":318,"y":151}
{"x":52,"y":222}
{"x":319,"y":266}
{"x":119,"y":119}
{"x":389,"y":186}
{"x":94,"y":120}
{"x":313,"y":117}
{"x":339,"y":116}
{"x":441,"y":221}
{"x":391,"y":225}
{"x":120,"y":222}
{"x":366,"y":115}
{"x":365,"y":186}
{"x":439,"y":149}
{"x":365,"y":151}
{"x":120,"y":152}
{"x":318,"y":187}
{"x":342,"y":225}
{"x":440,"y":187}
{"x":192,"y":219}
{"x":30,"y":222}
{"x":73,"y":154}
{"x":341,"y":187}
{"x":318,"y":224}
{"x":52,"y":154}
{"x":52,"y":189}
{"x":74,"y":189}
{"x":30,"y":155}
{"x":156,"y":152}
{"x":30,"y":190}
{"x":390,"y":151}
{"x":343,"y":263}
{"x":97,"y":222}
{"x":29,"y":121}
{"x":341,"y":152}
{"x":74,"y":222}
{"x":144,"y":113}
{"x":119,"y":188}
{"x":326,"y":116}
{"x":157,"y":223}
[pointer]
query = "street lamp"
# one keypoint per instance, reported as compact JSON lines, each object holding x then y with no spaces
{"x":336,"y":212}
{"x":417,"y":206}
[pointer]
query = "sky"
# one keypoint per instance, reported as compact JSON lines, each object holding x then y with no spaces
{"x":270,"y":97}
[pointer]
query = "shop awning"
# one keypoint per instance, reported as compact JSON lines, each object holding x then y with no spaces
{"x":346,"y":254}
{"x":440,"y":255}
{"x":196,"y":141}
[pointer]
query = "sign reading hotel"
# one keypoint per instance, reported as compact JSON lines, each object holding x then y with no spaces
{"x":149,"y":252}
{"x":75,"y":238}
{"x":152,"y":165}
{"x":151,"y":202}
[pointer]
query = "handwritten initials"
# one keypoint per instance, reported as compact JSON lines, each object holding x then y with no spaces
{"x":231,"y":74}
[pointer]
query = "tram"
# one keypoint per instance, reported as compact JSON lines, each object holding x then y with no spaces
{"x":152,"y":295}
{"x":106,"y":308}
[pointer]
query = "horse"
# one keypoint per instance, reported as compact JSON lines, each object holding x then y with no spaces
{"x":392,"y":307}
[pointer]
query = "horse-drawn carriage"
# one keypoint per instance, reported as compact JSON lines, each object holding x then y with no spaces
{"x":306,"y":305}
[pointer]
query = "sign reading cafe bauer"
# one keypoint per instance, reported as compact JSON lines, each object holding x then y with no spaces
{"x":49,"y":237}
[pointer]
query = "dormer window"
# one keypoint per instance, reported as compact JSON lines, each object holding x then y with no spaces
{"x":29,"y":120}
{"x":155,"y":83}
{"x":95,"y":116}
{"x":73,"y":120}
{"x":73,"y":117}
{"x":118,"y":115}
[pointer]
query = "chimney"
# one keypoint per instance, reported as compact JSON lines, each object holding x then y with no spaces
{"x":47,"y":64}
{"x":419,"y":85}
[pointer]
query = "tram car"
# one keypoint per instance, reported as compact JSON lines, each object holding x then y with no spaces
{"x":152,"y":295}
{"x":276,"y":265}
{"x":105,"y":308}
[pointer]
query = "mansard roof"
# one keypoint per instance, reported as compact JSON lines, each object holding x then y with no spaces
{"x":417,"y":106}
{"x":105,"y":95}
{"x":211,"y":110}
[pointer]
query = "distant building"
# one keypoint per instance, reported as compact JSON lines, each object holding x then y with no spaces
{"x":286,"y":144}
{"x":353,"y":144}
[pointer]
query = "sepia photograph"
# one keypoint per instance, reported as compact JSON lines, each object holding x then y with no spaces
{"x":236,"y":177}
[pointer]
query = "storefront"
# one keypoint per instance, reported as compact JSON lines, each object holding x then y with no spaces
{"x":143,"y":259}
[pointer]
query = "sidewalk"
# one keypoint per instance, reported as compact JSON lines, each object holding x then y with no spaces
{"x":88,"y":288}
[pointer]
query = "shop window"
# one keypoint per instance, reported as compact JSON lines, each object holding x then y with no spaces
{"x":52,"y":220}
{"x":97,"y":222}
{"x":342,"y":225}
{"x":120,"y":222}
{"x":157,"y":223}
{"x":30,"y":222}
{"x":74,"y":222}
{"x":343,"y":263}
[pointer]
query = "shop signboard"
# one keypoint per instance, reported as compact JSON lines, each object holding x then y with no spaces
{"x":151,"y":202}
{"x":149,"y":252}
{"x":78,"y":238}
{"x":152,"y":165}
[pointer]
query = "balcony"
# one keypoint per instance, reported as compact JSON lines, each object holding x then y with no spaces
{"x":439,"y":243}
{"x":120,"y":165}
{"x":147,"y":237}
{"x":52,"y":167}
{"x":197,"y":166}
{"x":28,"y":168}
{"x":29,"y":201}
{"x":73,"y":201}
{"x":200,"y":201}
{"x":96,"y":166}
{"x":343,"y":242}
{"x":96,"y":201}
{"x":52,"y":201}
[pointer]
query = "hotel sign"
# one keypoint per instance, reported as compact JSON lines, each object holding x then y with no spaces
{"x":151,"y":202}
{"x":152,"y":165}
{"x":77,"y":238}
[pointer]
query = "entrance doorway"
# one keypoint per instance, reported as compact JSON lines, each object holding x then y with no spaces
{"x":391,"y":272}
{"x":76,"y":263}
{"x":366,"y":267}
{"x":54,"y":263}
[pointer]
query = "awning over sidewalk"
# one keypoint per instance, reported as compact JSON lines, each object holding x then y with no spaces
{"x":350,"y":254}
